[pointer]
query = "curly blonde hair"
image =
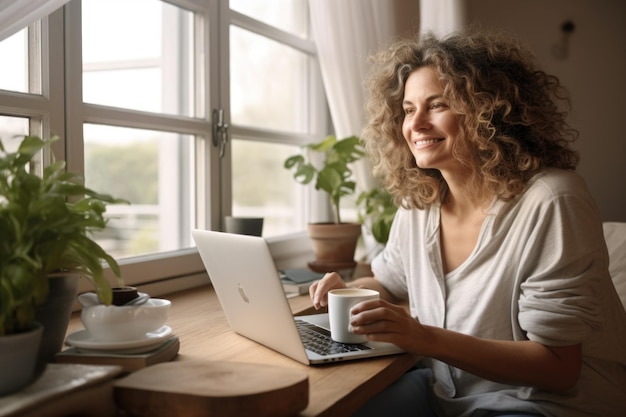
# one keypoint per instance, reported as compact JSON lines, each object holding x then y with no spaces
{"x":512,"y":116}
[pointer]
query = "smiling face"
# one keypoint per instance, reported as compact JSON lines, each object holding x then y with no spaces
{"x":429,"y":127}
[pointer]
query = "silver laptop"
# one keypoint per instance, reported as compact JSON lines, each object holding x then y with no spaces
{"x":250,"y":292}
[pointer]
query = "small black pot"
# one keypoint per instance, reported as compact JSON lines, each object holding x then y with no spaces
{"x":122,"y":295}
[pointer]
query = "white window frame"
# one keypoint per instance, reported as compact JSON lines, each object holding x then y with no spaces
{"x":60,"y":110}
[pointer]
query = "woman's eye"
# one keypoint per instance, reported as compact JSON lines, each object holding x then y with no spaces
{"x":438,"y":105}
{"x":408,"y":111}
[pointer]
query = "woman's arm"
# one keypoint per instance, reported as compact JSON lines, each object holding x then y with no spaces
{"x":524,"y":363}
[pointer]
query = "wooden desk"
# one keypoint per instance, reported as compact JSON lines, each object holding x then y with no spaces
{"x":336,"y":389}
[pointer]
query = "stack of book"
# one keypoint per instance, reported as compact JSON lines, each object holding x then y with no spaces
{"x":298,"y":280}
{"x":129,"y":361}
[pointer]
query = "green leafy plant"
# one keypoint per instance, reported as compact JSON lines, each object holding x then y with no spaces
{"x":45,"y":223}
{"x":377,"y":211}
{"x":335,"y":175}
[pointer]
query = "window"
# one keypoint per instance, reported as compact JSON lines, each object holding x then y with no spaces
{"x":272,"y":108}
{"x":158,"y":72}
{"x":133,"y":102}
{"x":14,"y":77}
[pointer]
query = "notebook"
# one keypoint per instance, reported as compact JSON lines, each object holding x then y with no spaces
{"x":250,"y":292}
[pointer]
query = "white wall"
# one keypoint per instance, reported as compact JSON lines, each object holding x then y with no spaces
{"x":594,"y":73}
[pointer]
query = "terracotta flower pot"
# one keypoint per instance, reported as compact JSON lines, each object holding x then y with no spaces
{"x":334,"y":245}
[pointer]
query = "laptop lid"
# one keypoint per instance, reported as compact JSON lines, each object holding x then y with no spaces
{"x":248,"y":286}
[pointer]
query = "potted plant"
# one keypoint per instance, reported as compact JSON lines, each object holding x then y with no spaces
{"x":376,"y":212}
{"x":45,"y":226}
{"x":334,"y":243}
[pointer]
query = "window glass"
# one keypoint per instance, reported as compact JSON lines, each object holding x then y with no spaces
{"x":268,"y":83}
{"x":263,"y":188}
{"x":152,"y":170}
{"x":14,"y":50}
{"x":12,"y":132}
{"x":12,"y":129}
{"x":288,"y":15}
{"x":145,"y":62}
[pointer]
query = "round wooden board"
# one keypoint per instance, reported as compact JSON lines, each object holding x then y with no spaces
{"x":208,"y":389}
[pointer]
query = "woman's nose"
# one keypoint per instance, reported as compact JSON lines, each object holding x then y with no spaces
{"x":420,"y":120}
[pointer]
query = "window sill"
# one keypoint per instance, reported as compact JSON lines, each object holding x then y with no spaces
{"x":186,"y":271}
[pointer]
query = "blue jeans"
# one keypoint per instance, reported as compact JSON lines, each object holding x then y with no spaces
{"x":409,"y":396}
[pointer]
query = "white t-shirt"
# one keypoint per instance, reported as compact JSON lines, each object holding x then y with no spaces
{"x":539,"y":271}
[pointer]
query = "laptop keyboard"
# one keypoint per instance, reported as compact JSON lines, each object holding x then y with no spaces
{"x":318,"y":340}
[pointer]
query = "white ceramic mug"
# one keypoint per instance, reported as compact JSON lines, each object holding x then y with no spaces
{"x":340,"y":302}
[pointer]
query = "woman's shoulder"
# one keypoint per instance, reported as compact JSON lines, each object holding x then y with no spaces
{"x":554,"y":182}
{"x":557,"y":191}
{"x":547,"y":191}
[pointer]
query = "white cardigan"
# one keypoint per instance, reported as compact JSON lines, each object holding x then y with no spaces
{"x":539,"y":271}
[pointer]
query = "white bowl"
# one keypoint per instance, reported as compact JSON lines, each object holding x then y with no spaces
{"x":125,"y":323}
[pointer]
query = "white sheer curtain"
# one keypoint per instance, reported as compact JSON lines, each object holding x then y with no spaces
{"x":346,"y":33}
{"x":15,"y":15}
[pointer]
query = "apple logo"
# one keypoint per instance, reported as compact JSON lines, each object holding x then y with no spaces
{"x":242,"y":293}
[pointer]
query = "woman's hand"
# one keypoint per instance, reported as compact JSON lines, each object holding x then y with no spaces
{"x":319,"y":289}
{"x":383,"y":321}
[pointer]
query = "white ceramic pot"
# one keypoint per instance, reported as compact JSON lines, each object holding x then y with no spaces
{"x":122,"y":323}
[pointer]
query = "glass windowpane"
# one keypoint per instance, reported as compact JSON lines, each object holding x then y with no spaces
{"x":288,"y":15}
{"x":98,"y":84}
{"x":263,"y":188}
{"x":152,"y":170}
{"x":11,"y":127}
{"x":14,"y":50}
{"x":12,"y":132}
{"x":268,"y":83}
{"x":146,"y":63}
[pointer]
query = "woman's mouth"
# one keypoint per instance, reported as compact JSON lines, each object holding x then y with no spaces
{"x":425,"y":142}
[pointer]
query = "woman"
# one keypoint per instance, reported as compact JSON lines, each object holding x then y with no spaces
{"x":497,"y":246}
